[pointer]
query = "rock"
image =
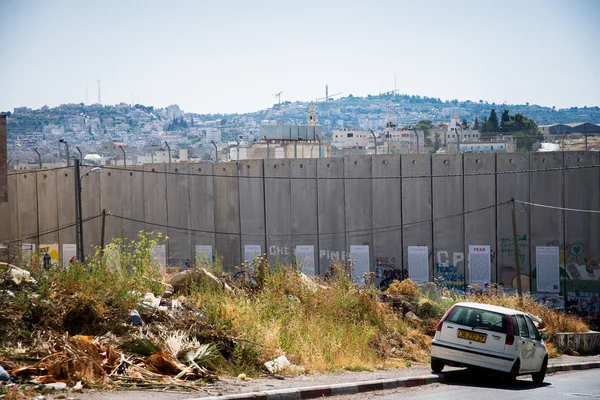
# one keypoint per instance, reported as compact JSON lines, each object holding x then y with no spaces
{"x":411,"y":316}
{"x":16,"y":276}
{"x":62,"y":396}
{"x":135,"y":319}
{"x":150,"y":301}
{"x":575,"y":353}
{"x":182,"y":279}
{"x":167,"y":295}
{"x":293,"y":299}
{"x":78,"y":387}
{"x":277,"y":364}
{"x":163,"y":309}
{"x":175,"y":304}
{"x":4,"y":376}
{"x":56,"y":385}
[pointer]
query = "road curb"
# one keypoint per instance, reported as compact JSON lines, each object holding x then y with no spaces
{"x":313,"y":392}
{"x":573,"y":367}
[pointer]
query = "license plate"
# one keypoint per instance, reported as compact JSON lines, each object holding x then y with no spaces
{"x":478,"y":337}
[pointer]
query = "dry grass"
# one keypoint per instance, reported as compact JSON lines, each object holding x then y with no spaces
{"x":553,"y":320}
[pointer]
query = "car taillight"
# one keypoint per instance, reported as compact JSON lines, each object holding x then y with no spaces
{"x":510,"y":335}
{"x":439,"y":327}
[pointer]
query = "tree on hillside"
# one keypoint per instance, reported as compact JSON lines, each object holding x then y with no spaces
{"x":465,"y":125}
{"x":492,"y":122}
{"x":504,"y":118}
{"x":476,"y":124}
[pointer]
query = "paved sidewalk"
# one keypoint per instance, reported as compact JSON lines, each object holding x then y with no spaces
{"x":313,"y":386}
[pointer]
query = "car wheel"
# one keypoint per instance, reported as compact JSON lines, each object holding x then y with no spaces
{"x":511,"y":377}
{"x":436,"y":365}
{"x":538,"y":377}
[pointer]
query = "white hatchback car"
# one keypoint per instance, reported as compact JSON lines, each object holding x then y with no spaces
{"x":490,"y":337}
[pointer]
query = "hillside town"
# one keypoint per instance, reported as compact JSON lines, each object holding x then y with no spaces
{"x":127,"y":134}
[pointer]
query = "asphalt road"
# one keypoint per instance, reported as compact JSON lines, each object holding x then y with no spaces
{"x":466,"y":385}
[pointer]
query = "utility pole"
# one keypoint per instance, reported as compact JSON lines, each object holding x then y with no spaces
{"x":586,"y":140}
{"x":124,"y":156}
{"x":517,"y":256}
{"x":67,"y":149}
{"x":78,"y":217}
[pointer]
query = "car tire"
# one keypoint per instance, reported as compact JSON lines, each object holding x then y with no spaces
{"x":436,"y":365}
{"x":511,"y":377}
{"x":538,"y":377}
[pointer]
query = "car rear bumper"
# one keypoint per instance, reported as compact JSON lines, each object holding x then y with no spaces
{"x":461,"y":356}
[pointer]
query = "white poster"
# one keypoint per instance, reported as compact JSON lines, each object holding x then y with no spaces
{"x":112,"y":255}
{"x":418,"y":264}
{"x":305,"y":259}
{"x":251,"y":251}
{"x":547,"y":269}
{"x":69,"y":254}
{"x":359,"y":255}
{"x":159,"y":254}
{"x":480,"y":266}
{"x":204,"y":254}
{"x":27,"y":250}
{"x":49,"y":252}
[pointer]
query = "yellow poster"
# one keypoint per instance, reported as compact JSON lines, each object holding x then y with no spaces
{"x":49,"y":255}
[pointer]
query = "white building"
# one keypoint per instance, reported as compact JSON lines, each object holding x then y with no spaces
{"x":212,"y":134}
{"x":350,"y":138}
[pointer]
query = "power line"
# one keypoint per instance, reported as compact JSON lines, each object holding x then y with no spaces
{"x":558,"y":208}
{"x":54,"y":230}
{"x":353,"y":232}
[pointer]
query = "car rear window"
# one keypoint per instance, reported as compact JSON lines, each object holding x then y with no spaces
{"x":478,"y":318}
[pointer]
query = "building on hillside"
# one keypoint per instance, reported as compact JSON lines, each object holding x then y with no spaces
{"x":576,"y":129}
{"x":278,"y":149}
{"x":350,"y":138}
{"x":505,"y":144}
{"x":113,"y":149}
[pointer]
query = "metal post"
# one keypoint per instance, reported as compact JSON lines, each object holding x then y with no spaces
{"x":216,"y":151}
{"x":124,"y":156}
{"x":375,"y":140}
{"x":169,"y":150}
{"x":103,"y":230}
{"x":78,"y":214}
{"x":80,"y":155}
{"x":319,"y":139}
{"x":39,"y":157}
{"x":67,"y":147}
{"x":295,"y":148}
{"x":268,"y":149}
{"x":517,"y":256}
{"x":586,"y":140}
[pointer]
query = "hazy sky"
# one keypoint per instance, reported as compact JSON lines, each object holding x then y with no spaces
{"x":232,"y":56}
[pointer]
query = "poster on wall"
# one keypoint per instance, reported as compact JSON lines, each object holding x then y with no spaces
{"x":159,"y":254}
{"x":480,"y":266}
{"x":49,"y":255}
{"x":305,"y":259}
{"x":112,"y":255}
{"x":418,"y":263}
{"x":360,"y":257}
{"x":547,"y":266}
{"x":27,"y":250}
{"x":251,"y":252}
{"x":204,"y":255}
{"x":69,"y":254}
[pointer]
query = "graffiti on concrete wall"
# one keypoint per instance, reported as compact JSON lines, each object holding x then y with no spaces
{"x":447,"y":272}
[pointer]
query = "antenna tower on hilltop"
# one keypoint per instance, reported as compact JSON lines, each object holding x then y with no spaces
{"x":278,"y":95}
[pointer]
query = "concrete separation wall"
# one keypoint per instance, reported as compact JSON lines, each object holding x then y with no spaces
{"x":446,"y":202}
{"x":583,"y":343}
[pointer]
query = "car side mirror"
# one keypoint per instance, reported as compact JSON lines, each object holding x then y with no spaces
{"x":544,"y":336}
